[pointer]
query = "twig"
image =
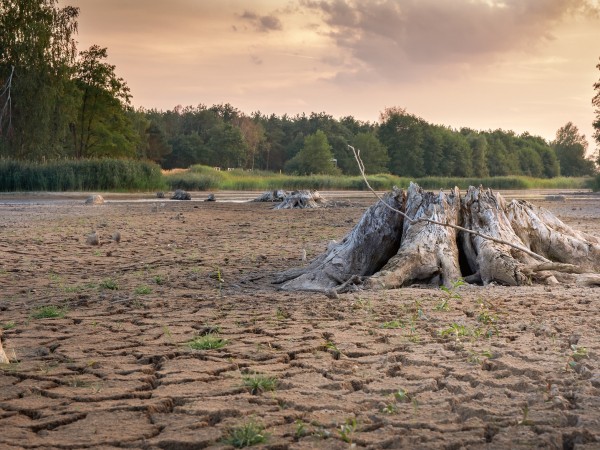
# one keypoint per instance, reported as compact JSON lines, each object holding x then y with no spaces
{"x":361,"y":167}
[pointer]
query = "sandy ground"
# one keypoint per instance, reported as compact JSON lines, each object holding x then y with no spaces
{"x":480,"y":367}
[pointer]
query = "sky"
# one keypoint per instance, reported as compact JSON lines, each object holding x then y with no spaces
{"x":521,"y":65}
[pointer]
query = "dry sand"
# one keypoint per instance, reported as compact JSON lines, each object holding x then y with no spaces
{"x":375,"y":369}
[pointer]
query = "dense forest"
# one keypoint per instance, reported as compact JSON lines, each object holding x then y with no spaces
{"x":57,"y":102}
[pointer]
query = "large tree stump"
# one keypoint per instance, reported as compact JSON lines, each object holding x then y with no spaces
{"x":437,"y":238}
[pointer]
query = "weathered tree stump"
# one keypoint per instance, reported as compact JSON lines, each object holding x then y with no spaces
{"x":302,"y":200}
{"x":181,"y":195}
{"x":437,"y":238}
{"x":94,"y":200}
{"x":277,"y":195}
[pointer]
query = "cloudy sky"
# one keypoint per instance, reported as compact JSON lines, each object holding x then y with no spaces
{"x":523,"y":65}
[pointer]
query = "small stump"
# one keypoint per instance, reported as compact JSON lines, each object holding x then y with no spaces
{"x":94,"y":200}
{"x":181,"y":195}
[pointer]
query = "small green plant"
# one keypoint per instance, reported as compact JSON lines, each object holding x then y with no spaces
{"x":402,"y":396}
{"x":477,"y":357}
{"x":456,"y":330}
{"x":361,"y":303}
{"x":392,"y":324}
{"x":257,"y":383}
{"x":452,"y":291}
{"x":143,"y":290}
{"x":49,"y":312}
{"x":578,"y":352}
{"x":209,"y":341}
{"x":55,"y":278}
{"x":158,"y":280}
{"x":390,"y":408}
{"x":282,"y":314}
{"x":525,"y":420}
{"x":329,"y":346}
{"x":347,"y":430}
{"x":8,"y":325}
{"x":443,"y":305}
{"x":110,"y":284}
{"x":300,"y":429}
{"x":250,"y":433}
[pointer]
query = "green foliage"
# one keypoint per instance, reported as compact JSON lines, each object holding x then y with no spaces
{"x":315,"y":157}
{"x":49,"y":312}
{"x":79,"y":175}
{"x":110,"y":284}
{"x":257,"y":383}
{"x":246,"y":435}
{"x":143,"y":290}
{"x":347,"y":430}
{"x":372,"y":152}
{"x":570,"y":148}
{"x":209,"y":341}
{"x":37,"y":53}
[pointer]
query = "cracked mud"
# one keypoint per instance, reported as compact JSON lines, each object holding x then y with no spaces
{"x":99,"y":338}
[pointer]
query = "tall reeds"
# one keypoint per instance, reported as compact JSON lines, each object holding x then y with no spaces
{"x":80,"y":175}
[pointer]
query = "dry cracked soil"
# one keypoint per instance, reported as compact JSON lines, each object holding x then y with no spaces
{"x":175,"y":338}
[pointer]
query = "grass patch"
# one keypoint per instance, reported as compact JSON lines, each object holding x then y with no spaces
{"x":8,"y":325}
{"x":258,"y":383}
{"x":110,"y":284}
{"x":143,"y":290}
{"x":203,"y":178}
{"x":246,"y":435}
{"x":49,"y":312}
{"x":207,"y":342}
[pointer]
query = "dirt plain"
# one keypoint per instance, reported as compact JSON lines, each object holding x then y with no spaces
{"x":477,"y":367}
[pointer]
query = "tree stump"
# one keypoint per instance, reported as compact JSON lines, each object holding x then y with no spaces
{"x":302,"y":200}
{"x":180,"y":194}
{"x":277,"y":195}
{"x":415,"y":236}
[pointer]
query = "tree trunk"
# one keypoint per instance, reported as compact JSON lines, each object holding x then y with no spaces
{"x":428,"y":252}
{"x":437,"y":238}
{"x":372,"y":242}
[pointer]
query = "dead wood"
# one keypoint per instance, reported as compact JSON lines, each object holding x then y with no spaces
{"x":370,"y":244}
{"x":276,"y":195}
{"x":437,"y":238}
{"x":428,"y":252}
{"x":302,"y":200}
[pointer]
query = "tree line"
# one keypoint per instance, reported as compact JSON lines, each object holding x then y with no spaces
{"x":60,"y":103}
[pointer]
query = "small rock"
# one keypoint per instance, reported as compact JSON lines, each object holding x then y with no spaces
{"x":574,"y":339}
{"x":94,"y":200}
{"x":211,"y":198}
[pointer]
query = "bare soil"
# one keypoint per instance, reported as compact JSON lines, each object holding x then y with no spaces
{"x":477,"y":367}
